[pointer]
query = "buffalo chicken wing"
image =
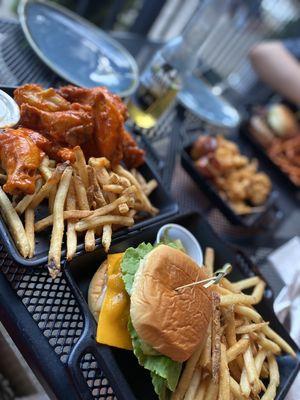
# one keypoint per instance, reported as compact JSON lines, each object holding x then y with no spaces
{"x":52,"y":149}
{"x":20,"y":157}
{"x":71,"y":127}
{"x":110,"y":138}
{"x":43,"y":99}
{"x":70,"y":116}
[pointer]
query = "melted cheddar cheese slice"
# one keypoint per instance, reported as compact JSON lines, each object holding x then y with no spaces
{"x":113,"y":319}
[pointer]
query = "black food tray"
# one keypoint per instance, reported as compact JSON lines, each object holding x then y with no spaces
{"x":160,"y":199}
{"x":245,"y":133}
{"x":249,"y":220}
{"x":128,"y":379}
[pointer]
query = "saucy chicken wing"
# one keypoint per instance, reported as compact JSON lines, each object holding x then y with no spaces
{"x":70,"y":116}
{"x":52,"y":149}
{"x":72,"y":127}
{"x":20,"y":157}
{"x":109,"y":137}
{"x":43,"y":99}
{"x":133,"y":156}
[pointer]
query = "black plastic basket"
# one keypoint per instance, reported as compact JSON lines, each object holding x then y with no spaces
{"x":249,"y":220}
{"x":160,"y":199}
{"x":51,"y":324}
{"x":246,"y":134}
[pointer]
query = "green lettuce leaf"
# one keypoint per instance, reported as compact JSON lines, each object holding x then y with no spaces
{"x":160,"y":386}
{"x":165,"y":372}
{"x":131,"y":262}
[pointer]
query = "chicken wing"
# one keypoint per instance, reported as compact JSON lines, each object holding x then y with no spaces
{"x":109,"y":137}
{"x":71,"y":127}
{"x":75,"y":94}
{"x":133,"y":156}
{"x":108,"y":114}
{"x":52,"y":149}
{"x":43,"y":99}
{"x":92,"y":118}
{"x":20,"y":157}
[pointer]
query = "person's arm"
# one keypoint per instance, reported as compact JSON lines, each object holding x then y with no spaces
{"x":277,"y":67}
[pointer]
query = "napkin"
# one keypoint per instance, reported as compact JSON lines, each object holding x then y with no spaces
{"x":286,"y":261}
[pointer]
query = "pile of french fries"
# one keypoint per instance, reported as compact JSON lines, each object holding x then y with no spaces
{"x":90,"y":198}
{"x":237,"y":361}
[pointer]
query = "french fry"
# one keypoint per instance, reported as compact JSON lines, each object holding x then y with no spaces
{"x":205,"y":359}
{"x":131,"y":213}
{"x":235,"y":389}
{"x":248,"y":312}
{"x":106,"y":237}
{"x":46,"y":188}
{"x":71,"y":214}
{"x":244,"y":384}
{"x":82,"y":201}
{"x":230,"y":331}
{"x":71,"y":232}
{"x":239,"y":322}
{"x":89,"y":240}
{"x":259,"y":360}
{"x":228,"y":285}
{"x":97,"y":193}
{"x":273,"y":369}
{"x":192,"y":389}
{"x":140,"y":194}
{"x":114,"y":179}
{"x":252,"y":375}
{"x":54,"y":255}
{"x":24,"y":203}
{"x":15,"y":225}
{"x":212,"y":391}
{"x":200,"y":395}
{"x":108,"y":208}
{"x":80,"y":166}
{"x":52,"y":196}
{"x":187,"y":374}
{"x":100,"y":162}
{"x":102,"y":176}
{"x":277,"y":339}
{"x":29,"y":229}
{"x":238,"y":348}
{"x":216,"y":338}
{"x":270,"y":393}
{"x":123,"y":208}
{"x":250,"y":328}
{"x":117,"y":189}
{"x":234,"y":298}
{"x":52,"y":163}
{"x":209,"y":259}
{"x":93,"y":223}
{"x":44,"y":168}
{"x":246,"y":283}
{"x":258,"y":292}
{"x":81,"y":196}
{"x":267,"y":344}
{"x":139,"y":177}
{"x":224,"y":384}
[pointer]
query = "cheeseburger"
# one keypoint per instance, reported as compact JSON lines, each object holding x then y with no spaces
{"x":134,"y":298}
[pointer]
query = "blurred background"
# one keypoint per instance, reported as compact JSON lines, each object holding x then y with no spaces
{"x":234,"y":27}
